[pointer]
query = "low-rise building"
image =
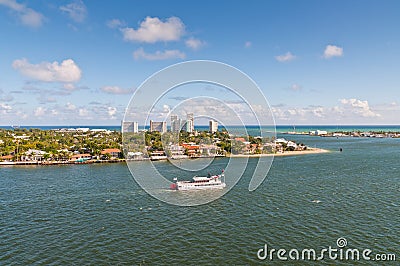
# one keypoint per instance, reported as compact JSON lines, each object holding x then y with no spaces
{"x":114,"y":153}
{"x":33,"y":155}
{"x":83,"y":156}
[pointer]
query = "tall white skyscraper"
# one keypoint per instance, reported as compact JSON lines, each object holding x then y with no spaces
{"x":190,"y":117}
{"x":175,"y":123}
{"x":130,"y":127}
{"x":188,"y":126}
{"x":158,"y":126}
{"x":213,"y":126}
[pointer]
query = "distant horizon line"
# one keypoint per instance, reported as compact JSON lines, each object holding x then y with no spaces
{"x":204,"y":125}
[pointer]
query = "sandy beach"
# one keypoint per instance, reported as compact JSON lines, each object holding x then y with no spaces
{"x":287,"y":153}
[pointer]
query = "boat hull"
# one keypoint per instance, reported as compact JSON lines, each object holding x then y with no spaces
{"x":199,"y":187}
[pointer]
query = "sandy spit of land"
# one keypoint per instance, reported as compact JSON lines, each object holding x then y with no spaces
{"x":286,"y":153}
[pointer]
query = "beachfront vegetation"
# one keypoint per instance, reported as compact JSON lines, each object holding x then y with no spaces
{"x":57,"y":144}
{"x":68,"y":144}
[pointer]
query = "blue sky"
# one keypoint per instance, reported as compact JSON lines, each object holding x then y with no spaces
{"x":317,"y":62}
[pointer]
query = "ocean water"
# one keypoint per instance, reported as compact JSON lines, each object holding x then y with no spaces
{"x":97,"y":214}
{"x":252,"y":130}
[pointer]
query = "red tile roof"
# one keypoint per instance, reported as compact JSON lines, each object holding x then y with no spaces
{"x":105,"y":151}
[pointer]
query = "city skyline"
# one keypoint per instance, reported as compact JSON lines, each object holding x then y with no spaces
{"x":79,"y":62}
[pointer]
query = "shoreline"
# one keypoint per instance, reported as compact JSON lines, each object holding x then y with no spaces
{"x":287,"y":153}
{"x":50,"y":163}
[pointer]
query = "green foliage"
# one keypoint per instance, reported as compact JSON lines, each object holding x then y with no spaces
{"x":52,"y":141}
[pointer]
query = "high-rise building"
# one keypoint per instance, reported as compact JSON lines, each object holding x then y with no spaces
{"x":188,"y":126}
{"x":190,"y":118}
{"x":130,"y":127}
{"x":158,"y":126}
{"x":175,"y":123}
{"x":213,"y":126}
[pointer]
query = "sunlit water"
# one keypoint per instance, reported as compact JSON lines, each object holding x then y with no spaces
{"x":96,"y":214}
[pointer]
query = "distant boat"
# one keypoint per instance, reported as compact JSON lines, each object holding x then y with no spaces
{"x":201,"y":182}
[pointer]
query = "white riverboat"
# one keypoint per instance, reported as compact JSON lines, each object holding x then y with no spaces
{"x":201,"y":182}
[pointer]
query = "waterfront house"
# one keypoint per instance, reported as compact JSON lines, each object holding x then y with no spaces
{"x":83,"y":156}
{"x":33,"y":155}
{"x":114,"y":153}
{"x":191,"y":149}
{"x":6,"y":158}
{"x":176,"y":151}
{"x":135,"y":155}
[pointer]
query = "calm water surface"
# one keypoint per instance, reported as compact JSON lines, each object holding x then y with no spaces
{"x":97,"y":214}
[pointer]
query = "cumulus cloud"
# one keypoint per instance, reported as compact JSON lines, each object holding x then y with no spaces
{"x":70,"y":106}
{"x":76,"y":10}
{"x":333,"y":51}
{"x":166,"y":108}
{"x":39,"y":111}
{"x":158,"y":55}
{"x":4,"y":108}
{"x":112,"y":111}
{"x":69,"y":86}
{"x":114,"y":23}
{"x":318,"y":111}
{"x":26,"y":15}
{"x":351,"y":111}
{"x":66,"y":72}
{"x":115,"y":90}
{"x":285,"y":57}
{"x":83,"y":112}
{"x":295,"y":87}
{"x":359,"y":107}
{"x":153,"y":30}
{"x":194,"y":43}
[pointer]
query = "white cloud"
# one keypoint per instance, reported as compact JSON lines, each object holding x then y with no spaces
{"x":285,"y":57}
{"x":40,"y":111}
{"x":295,"y":87}
{"x":359,"y":107}
{"x":333,"y":51}
{"x":4,"y":108}
{"x":309,"y":114}
{"x":26,"y":15}
{"x":67,"y":71}
{"x":114,"y":23}
{"x":349,"y":111}
{"x":158,"y":55}
{"x":115,"y":90}
{"x":247,"y":44}
{"x":112,"y":111}
{"x":318,"y":111}
{"x":153,"y":30}
{"x":166,"y":108}
{"x":70,"y":106}
{"x":83,"y":112}
{"x":76,"y":10}
{"x":69,"y":86}
{"x":194,"y":43}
